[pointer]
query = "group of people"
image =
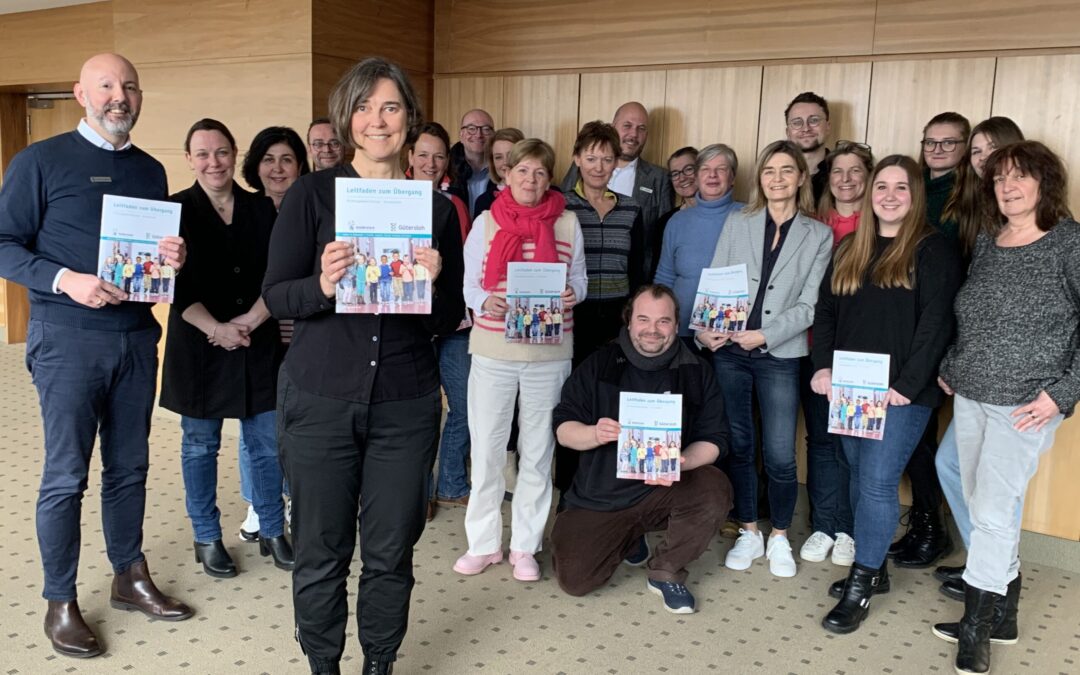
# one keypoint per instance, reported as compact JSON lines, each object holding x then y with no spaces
{"x":145,"y":277}
{"x":903,"y":257}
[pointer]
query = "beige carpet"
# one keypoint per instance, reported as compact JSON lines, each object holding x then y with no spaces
{"x":748,"y":622}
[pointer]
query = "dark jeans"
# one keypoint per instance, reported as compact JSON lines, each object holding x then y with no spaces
{"x":454,"y":363}
{"x":596,"y":323}
{"x":925,"y":489}
{"x":876,"y":467}
{"x":347,"y":461}
{"x":827,"y":476}
{"x":776,"y":383}
{"x":91,"y":382}
{"x":587,"y":546}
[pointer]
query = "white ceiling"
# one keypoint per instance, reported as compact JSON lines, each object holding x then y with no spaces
{"x":12,"y":6}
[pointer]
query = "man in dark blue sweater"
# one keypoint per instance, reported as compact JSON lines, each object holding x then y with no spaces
{"x":92,"y":357}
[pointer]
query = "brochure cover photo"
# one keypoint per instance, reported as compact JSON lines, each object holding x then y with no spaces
{"x":128,"y":247}
{"x":534,"y":295}
{"x":722,"y":302}
{"x":860,"y":381}
{"x":386,"y":222}
{"x":651,"y":436}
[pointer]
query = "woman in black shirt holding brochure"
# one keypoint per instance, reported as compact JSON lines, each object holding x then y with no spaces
{"x":358,"y":395}
{"x":889,"y":291}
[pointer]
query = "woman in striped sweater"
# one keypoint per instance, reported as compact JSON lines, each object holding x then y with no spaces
{"x":527,"y":222}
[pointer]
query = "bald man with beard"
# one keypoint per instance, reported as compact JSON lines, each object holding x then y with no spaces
{"x":91,"y":356}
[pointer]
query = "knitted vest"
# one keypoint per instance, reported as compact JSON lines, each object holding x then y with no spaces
{"x":488,"y":337}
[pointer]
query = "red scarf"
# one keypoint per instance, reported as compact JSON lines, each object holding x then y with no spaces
{"x":518,"y":224}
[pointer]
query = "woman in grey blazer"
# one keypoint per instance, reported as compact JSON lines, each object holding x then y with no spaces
{"x":786,"y":253}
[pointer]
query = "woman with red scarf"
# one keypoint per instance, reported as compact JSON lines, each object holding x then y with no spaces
{"x":527,"y":222}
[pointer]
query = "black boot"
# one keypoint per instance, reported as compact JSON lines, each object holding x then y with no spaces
{"x":953,"y":590}
{"x":280,"y":548}
{"x":373,"y":667}
{"x":1004,"y":631}
{"x":855,"y":605}
{"x":946,"y":573}
{"x":215,"y":560}
{"x":836,"y":590}
{"x":973,"y":638}
{"x":904,"y":541}
{"x":929,"y":542}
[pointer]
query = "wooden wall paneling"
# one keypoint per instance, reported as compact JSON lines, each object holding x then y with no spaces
{"x":602,"y":93}
{"x":1053,"y":502}
{"x":455,"y":96}
{"x":51,"y":45}
{"x":904,"y":95}
{"x":545,"y":107}
{"x":14,"y":302}
{"x":846,"y":87}
{"x":247,"y":96}
{"x":521,"y":36}
{"x":399,"y":30}
{"x":714,"y":105}
{"x":913,"y":26}
{"x":63,"y":116}
{"x":159,"y":31}
{"x":1042,"y":95}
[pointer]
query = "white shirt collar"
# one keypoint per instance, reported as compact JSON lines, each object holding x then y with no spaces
{"x":631,"y":167}
{"x":97,"y":139}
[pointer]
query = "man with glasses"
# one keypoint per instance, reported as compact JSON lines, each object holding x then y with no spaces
{"x":807,"y":122}
{"x":467,"y":155}
{"x":325,"y":147}
{"x":647,"y":184}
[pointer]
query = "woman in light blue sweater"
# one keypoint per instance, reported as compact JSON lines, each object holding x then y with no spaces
{"x":690,"y":238}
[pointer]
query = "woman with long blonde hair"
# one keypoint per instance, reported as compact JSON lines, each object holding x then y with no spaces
{"x":889,"y":291}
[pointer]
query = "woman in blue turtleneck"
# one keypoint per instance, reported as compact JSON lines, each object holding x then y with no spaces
{"x":690,"y":238}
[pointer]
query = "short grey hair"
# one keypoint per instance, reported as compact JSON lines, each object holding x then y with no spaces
{"x":711,"y":152}
{"x":356,"y":86}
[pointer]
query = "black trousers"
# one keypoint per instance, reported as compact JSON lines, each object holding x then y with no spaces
{"x":347,"y":460}
{"x":921,"y":470}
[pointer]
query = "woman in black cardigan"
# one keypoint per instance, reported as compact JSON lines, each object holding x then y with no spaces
{"x":358,"y":398}
{"x":223,"y":350}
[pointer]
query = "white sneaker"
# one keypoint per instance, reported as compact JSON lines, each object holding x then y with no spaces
{"x":288,"y":514}
{"x":844,"y":551}
{"x":781,"y":563}
{"x":816,"y":548}
{"x":249,"y":531}
{"x":748,"y":547}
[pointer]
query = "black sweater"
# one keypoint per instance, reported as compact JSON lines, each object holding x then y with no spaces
{"x":914,"y":327}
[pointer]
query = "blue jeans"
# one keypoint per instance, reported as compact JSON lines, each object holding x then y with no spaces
{"x":198,"y":458}
{"x":876,"y":467}
{"x":776,"y":382}
{"x":454,"y":365}
{"x":91,"y":383}
{"x":827,"y":474}
{"x":244,"y":461}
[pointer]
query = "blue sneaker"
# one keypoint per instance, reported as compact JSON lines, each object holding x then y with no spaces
{"x":640,"y":554}
{"x":677,"y":597}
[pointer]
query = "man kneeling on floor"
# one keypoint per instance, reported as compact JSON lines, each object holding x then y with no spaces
{"x":606,"y":518}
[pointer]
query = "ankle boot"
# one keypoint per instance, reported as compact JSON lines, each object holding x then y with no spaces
{"x":68,"y":632}
{"x":134,"y":589}
{"x":929,"y":542}
{"x":836,"y":590}
{"x":855,"y":605}
{"x":904,"y":541}
{"x":215,"y":560}
{"x":973,"y":638}
{"x":1004,"y":631}
{"x":280,"y":549}
{"x":947,"y":573}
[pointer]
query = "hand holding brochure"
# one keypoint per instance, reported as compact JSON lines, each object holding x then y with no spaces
{"x":534,"y":294}
{"x":723,"y":300}
{"x":651,"y":437}
{"x":385,"y":221}
{"x":128,"y":247}
{"x":860,"y":381}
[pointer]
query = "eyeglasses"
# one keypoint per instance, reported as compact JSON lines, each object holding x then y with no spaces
{"x":483,"y":130}
{"x":686,"y":172}
{"x":948,"y":145}
{"x":842,"y":146}
{"x":334,"y":144}
{"x":813,"y":121}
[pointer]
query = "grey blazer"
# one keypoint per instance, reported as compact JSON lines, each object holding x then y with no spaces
{"x":653,"y":194}
{"x":789,"y":300}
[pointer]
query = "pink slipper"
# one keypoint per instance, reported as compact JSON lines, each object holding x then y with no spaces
{"x":525,"y":566}
{"x":469,"y":564}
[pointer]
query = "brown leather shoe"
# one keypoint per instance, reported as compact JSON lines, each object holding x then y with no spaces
{"x":134,"y":589}
{"x":457,"y":501}
{"x":430,"y":510}
{"x":69,"y":634}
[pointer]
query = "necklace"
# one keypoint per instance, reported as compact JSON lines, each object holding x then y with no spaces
{"x":222,"y":205}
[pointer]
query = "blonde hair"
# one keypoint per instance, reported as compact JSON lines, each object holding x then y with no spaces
{"x":534,"y":148}
{"x":805,"y":197}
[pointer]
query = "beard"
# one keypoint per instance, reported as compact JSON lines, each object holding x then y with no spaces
{"x":117,"y":128}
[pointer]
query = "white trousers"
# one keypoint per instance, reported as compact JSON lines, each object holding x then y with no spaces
{"x":996,"y":464}
{"x":493,"y":386}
